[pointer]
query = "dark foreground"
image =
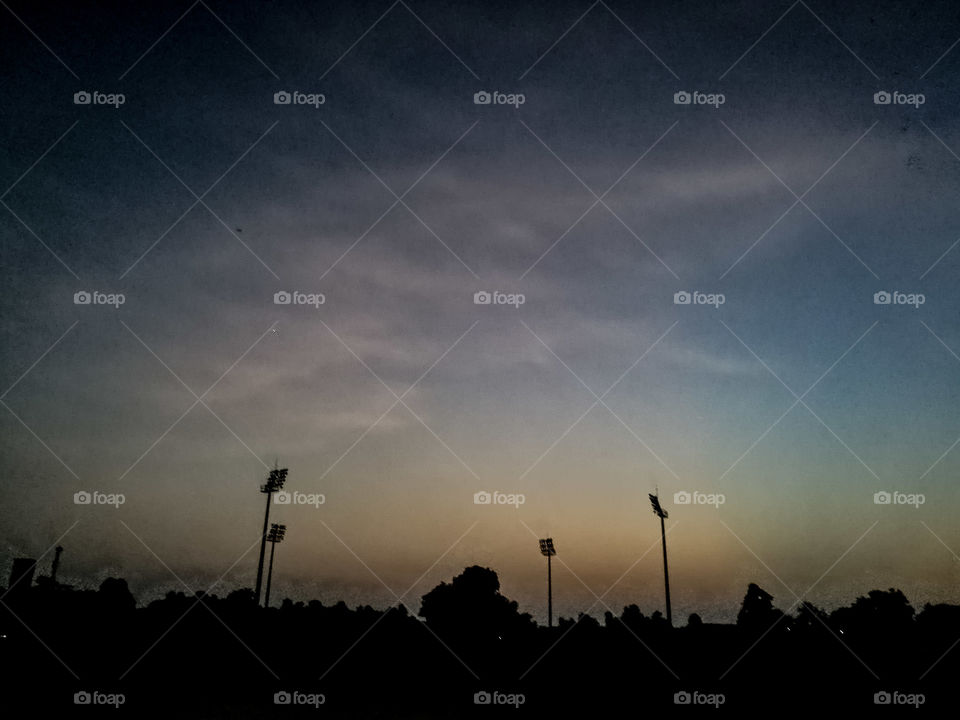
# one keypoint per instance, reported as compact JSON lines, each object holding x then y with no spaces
{"x":470,"y":654}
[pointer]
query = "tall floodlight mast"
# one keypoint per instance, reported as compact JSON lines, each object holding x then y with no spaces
{"x":278,"y":476}
{"x":661,"y":513}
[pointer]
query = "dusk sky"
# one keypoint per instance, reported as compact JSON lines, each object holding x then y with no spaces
{"x":398,"y":198}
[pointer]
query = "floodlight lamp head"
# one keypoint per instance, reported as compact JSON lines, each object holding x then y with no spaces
{"x":657,"y":510}
{"x":275,"y":481}
{"x":547,"y":548}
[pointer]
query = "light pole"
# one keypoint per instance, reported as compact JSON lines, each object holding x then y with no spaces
{"x":276,"y":534}
{"x":274,"y":484}
{"x":661,"y":513}
{"x":547,"y":549}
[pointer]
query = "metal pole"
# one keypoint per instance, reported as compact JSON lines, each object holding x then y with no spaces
{"x":666,"y":576}
{"x":266,"y":600}
{"x":263,"y":547}
{"x":549,"y":594}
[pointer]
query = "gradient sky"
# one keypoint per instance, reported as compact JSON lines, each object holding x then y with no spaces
{"x":700,"y":199}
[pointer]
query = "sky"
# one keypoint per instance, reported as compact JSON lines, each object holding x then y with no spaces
{"x":783,"y":198}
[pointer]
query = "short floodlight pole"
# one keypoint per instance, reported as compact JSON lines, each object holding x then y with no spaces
{"x":276,"y":534}
{"x":548,"y":550}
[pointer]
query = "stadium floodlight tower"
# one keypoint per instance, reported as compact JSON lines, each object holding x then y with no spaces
{"x":276,"y":534}
{"x":547,"y":549}
{"x":661,"y":513}
{"x":278,"y":476}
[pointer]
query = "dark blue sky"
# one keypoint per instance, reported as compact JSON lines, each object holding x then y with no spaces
{"x":598,"y":199}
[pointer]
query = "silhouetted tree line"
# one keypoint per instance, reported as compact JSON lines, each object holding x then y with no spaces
{"x":209,"y":656}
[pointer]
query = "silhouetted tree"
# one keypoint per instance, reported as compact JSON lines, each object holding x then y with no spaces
{"x":941,"y":617}
{"x":115,"y":596}
{"x":810,"y":618}
{"x":243,"y":597}
{"x":632,"y":617}
{"x":886,"y":611}
{"x":757,"y":611}
{"x":471,"y":605}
